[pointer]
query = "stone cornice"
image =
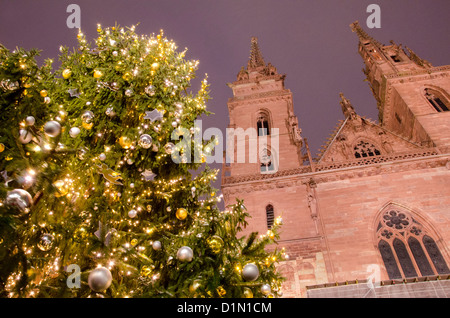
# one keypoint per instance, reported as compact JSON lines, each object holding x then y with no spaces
{"x":338,"y":171}
{"x":259,"y":97}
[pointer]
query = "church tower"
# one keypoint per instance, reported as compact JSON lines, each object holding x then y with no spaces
{"x":262,"y":126}
{"x":412,"y":95}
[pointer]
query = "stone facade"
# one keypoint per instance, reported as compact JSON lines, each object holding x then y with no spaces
{"x":375,"y":202}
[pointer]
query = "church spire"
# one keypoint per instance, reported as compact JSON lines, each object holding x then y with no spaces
{"x":256,"y":58}
{"x":362,"y":35}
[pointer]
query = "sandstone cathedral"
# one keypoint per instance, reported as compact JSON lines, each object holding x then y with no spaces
{"x":369,"y":216}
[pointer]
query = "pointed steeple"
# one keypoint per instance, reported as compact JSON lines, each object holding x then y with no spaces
{"x":256,"y":59}
{"x":347,"y":107}
{"x":362,"y":35}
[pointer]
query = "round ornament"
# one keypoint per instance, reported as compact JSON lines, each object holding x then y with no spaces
{"x":247,"y":293}
{"x":128,"y":92}
{"x":155,"y":66}
{"x":30,"y":120}
{"x":20,"y":199}
{"x":125,"y":142}
{"x":2,"y":147}
{"x":46,"y":242}
{"x":132,"y":213}
{"x":66,"y":73}
{"x":145,"y":141}
{"x":250,"y":272}
{"x":156,"y":245}
{"x":74,"y":132}
{"x":100,"y":279}
{"x":25,"y":136}
{"x":98,"y":74}
{"x":215,"y":244}
{"x":169,"y":148}
{"x":87,"y":117}
{"x":265,"y":289}
{"x":52,"y":128}
{"x":47,"y":100}
{"x":110,"y":112}
{"x":194,"y":286}
{"x":62,"y":188}
{"x":185,"y":254}
{"x":126,"y":76}
{"x":181,"y":214}
{"x":150,"y":90}
{"x":43,"y":93}
{"x":102,"y":157}
{"x":82,"y":152}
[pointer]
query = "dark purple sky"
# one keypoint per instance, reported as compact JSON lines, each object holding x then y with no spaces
{"x":310,"y":41}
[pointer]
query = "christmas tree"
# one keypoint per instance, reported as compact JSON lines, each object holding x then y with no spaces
{"x":120,"y":193}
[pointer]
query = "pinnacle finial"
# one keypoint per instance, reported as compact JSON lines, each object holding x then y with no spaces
{"x":362,"y":35}
{"x":347,"y":107}
{"x":256,"y":58}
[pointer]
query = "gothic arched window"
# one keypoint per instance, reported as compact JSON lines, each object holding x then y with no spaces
{"x":269,"y":216}
{"x":363,"y":149}
{"x":437,"y":100}
{"x":406,"y":247}
{"x":262,"y":123}
{"x":267,"y":162}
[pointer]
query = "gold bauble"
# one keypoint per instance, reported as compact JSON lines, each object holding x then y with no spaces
{"x":43,"y":93}
{"x":181,"y":214}
{"x":87,"y":126}
{"x":125,"y":142}
{"x":62,"y":188}
{"x":155,"y":66}
{"x":2,"y":147}
{"x":248,"y":293}
{"x":195,"y":284}
{"x":134,"y":242}
{"x":98,"y":74}
{"x":126,"y":76}
{"x":221,"y":291}
{"x":146,"y":271}
{"x":66,"y":73}
{"x":215,"y":244}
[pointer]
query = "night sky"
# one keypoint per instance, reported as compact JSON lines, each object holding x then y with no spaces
{"x":309,"y":41}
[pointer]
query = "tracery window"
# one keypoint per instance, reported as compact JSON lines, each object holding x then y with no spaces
{"x":364,"y":149}
{"x":406,"y":247}
{"x":262,"y":123}
{"x":437,"y":100}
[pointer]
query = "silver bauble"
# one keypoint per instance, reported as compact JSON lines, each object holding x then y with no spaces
{"x":129,"y":92}
{"x":46,"y":242}
{"x":250,"y":272}
{"x":169,"y":147}
{"x":150,"y":90}
{"x":52,"y":128}
{"x":74,"y":132}
{"x":265,"y":289}
{"x":47,"y":100}
{"x":87,"y":117}
{"x":132,"y":213}
{"x":20,"y":199}
{"x":156,"y":245}
{"x":185,"y":254}
{"x":100,"y":279}
{"x":25,"y":136}
{"x":102,"y":157}
{"x":110,"y":112}
{"x":82,"y":152}
{"x":145,"y":141}
{"x":30,"y":120}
